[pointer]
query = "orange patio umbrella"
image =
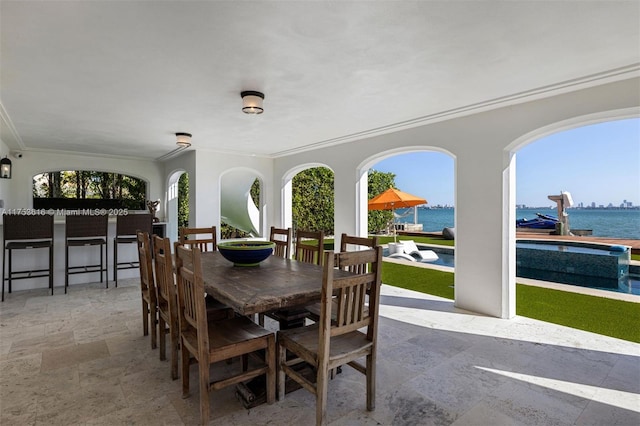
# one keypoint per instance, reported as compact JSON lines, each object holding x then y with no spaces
{"x":392,"y":199}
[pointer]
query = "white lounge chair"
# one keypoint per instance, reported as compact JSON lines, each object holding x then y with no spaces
{"x":411,"y":249}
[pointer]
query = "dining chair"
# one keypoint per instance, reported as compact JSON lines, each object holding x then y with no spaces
{"x":26,"y":232}
{"x":203,"y":238}
{"x":127,"y":226}
{"x":309,"y":249}
{"x":328,"y":344}
{"x":209,"y":342}
{"x":346,"y":242}
{"x":167,"y":300}
{"x":147,"y":287}
{"x":86,"y":231}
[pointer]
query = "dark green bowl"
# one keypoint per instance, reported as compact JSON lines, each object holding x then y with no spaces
{"x":246,"y":253}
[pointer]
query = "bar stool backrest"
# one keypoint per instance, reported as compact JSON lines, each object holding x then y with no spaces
{"x":77,"y":226}
{"x":27,"y":227}
{"x":132,"y":223}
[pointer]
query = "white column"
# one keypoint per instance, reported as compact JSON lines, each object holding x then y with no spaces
{"x":345,"y":199}
{"x":485,"y":278}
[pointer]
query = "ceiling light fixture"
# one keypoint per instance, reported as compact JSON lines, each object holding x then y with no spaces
{"x":183,"y":140}
{"x":252,"y":102}
{"x":5,"y":168}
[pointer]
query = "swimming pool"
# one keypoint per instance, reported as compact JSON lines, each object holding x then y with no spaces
{"x":576,"y":263}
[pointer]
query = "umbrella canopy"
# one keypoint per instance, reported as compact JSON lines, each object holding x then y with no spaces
{"x":392,"y":199}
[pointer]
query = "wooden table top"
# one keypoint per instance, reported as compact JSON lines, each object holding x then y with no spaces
{"x":276,"y":283}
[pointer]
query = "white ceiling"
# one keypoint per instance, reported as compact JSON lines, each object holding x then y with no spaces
{"x":121,"y":77}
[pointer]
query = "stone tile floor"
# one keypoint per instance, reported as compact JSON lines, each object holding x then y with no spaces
{"x":81,"y":358}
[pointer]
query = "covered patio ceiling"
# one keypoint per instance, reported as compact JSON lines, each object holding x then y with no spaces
{"x":120,"y":78}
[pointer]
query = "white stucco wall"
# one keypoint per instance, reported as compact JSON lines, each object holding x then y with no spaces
{"x":33,"y":163}
{"x":204,"y":190}
{"x":485,"y":180}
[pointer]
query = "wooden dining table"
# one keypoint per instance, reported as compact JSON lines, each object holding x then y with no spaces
{"x":276,"y":283}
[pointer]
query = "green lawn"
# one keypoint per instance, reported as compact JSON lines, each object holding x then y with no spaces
{"x":596,"y":314}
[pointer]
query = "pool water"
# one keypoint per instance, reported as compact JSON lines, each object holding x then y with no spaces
{"x":624,"y":281}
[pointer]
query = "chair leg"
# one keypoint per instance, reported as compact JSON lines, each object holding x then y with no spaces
{"x":322,"y":379}
{"x":270,"y":358}
{"x":115,"y":263}
{"x":10,"y":268}
{"x":261,"y":320}
{"x":153,"y":322}
{"x":101,"y":263}
{"x":51,"y":268}
{"x":173,"y":334}
{"x":204,"y":391}
{"x":66,"y":268}
{"x":371,"y":382}
{"x":162,"y":338}
{"x":282,"y":377}
{"x":106,"y":261}
{"x":4,"y":265}
{"x":185,"y":358}
{"x":145,"y":318}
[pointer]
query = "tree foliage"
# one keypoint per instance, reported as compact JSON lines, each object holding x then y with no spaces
{"x":378,"y":182}
{"x":88,"y":184}
{"x":312,"y":203}
{"x":313,"y":200}
{"x":183,"y":200}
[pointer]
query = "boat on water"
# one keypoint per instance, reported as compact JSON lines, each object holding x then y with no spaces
{"x":541,"y":221}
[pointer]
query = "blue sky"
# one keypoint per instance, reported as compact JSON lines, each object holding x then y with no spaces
{"x":597,"y":163}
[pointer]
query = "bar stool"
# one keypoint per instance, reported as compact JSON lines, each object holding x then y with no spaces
{"x":126,"y":229}
{"x":23,"y":232}
{"x":86,"y":231}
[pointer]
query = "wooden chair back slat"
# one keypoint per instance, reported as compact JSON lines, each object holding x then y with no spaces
{"x":204,"y":239}
{"x":309,"y":246}
{"x":348,"y":241}
{"x":359,"y":242}
{"x":282,"y":239}
{"x":146,"y":267}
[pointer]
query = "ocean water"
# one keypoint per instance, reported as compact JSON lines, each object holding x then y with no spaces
{"x":603,"y":222}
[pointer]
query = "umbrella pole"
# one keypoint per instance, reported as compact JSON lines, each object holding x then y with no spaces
{"x":393,"y":223}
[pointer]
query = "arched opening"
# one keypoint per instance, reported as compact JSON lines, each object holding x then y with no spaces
{"x":309,"y":199}
{"x":428,"y":172}
{"x":597,"y":165}
{"x":177,"y":204}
